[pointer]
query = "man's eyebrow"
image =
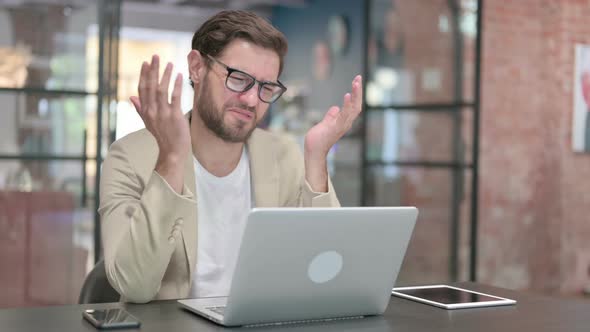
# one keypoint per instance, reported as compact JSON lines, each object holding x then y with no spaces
{"x":263,"y":81}
{"x":276,"y":81}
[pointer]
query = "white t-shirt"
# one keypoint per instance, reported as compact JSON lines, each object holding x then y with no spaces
{"x":223,"y":204}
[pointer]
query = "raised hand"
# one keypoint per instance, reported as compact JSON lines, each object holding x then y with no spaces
{"x":164,"y":120}
{"x":321,"y":137}
{"x":337,"y":121}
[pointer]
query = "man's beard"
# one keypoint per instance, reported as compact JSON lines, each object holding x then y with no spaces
{"x":213,"y":118}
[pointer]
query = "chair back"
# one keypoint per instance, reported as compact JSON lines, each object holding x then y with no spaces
{"x":96,"y":288}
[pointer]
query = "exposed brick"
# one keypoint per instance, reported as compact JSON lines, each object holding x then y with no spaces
{"x":534,"y":190}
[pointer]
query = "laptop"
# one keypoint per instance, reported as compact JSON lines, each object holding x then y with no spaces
{"x":312,"y":264}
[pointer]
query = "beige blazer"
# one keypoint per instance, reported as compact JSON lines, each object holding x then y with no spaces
{"x":149,"y":232}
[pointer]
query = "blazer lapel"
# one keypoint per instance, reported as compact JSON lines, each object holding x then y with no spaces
{"x":264,"y":170}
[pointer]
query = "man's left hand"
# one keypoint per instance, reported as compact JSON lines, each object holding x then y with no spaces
{"x":321,"y":137}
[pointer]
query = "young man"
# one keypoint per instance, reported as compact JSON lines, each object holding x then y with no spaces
{"x":175,"y":196}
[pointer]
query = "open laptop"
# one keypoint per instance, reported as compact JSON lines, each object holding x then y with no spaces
{"x":307,"y":264}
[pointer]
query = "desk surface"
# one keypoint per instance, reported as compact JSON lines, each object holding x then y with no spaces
{"x":532,"y":313}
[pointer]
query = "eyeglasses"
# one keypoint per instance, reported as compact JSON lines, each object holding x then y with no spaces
{"x":239,"y":81}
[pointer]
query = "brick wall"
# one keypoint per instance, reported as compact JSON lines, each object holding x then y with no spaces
{"x":534,"y":192}
{"x":534,"y":200}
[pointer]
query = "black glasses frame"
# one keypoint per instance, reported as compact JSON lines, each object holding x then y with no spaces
{"x":261,"y":84}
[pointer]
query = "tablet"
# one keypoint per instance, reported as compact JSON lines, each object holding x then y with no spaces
{"x":450,"y":297}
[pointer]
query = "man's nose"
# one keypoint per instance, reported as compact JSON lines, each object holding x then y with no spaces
{"x":250,"y":97}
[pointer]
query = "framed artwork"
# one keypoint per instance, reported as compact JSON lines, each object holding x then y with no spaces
{"x":338,"y":34}
{"x":581,"y":113}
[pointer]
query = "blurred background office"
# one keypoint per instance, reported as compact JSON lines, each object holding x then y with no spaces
{"x":470,"y":115}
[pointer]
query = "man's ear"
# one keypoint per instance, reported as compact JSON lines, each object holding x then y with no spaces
{"x":196,"y":65}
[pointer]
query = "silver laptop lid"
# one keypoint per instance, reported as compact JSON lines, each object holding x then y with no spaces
{"x":315,"y":263}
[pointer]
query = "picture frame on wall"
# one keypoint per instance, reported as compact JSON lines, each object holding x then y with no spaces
{"x":581,"y":102}
{"x":338,"y":34}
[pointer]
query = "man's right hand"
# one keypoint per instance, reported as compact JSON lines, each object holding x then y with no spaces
{"x":164,"y":120}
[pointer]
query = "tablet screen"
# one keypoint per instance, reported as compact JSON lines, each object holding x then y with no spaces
{"x":447,"y":295}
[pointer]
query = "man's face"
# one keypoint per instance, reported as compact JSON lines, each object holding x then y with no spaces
{"x":232,"y":116}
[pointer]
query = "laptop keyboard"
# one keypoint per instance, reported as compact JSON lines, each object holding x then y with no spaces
{"x":218,"y":310}
{"x":221,"y":310}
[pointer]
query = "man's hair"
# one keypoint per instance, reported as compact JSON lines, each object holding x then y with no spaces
{"x":224,"y":27}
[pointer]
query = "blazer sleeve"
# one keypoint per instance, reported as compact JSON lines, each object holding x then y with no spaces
{"x":310,"y":198}
{"x":140,"y":221}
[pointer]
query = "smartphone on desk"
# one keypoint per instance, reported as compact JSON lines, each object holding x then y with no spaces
{"x":116,"y":318}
